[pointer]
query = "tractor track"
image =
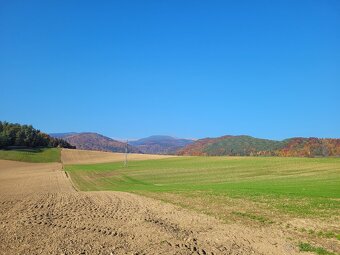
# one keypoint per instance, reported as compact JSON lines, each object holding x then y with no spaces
{"x":41,"y":213}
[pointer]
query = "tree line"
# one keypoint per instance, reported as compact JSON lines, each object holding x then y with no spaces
{"x":16,"y":135}
{"x":250,"y":146}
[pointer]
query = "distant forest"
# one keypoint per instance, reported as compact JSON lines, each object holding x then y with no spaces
{"x":251,"y":146}
{"x":16,"y":135}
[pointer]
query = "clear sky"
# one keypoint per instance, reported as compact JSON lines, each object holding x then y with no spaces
{"x":129,"y":69}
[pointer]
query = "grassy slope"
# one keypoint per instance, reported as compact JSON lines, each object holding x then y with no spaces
{"x":35,"y":155}
{"x":301,"y":186}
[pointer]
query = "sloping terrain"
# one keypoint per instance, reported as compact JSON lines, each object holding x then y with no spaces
{"x":94,"y":141}
{"x":230,"y":145}
{"x":40,"y":213}
{"x":91,"y":157}
{"x":34,"y":155}
{"x":62,"y":135}
{"x":250,"y":146}
{"x":14,"y":135}
{"x":310,"y":147}
{"x":22,"y":179}
{"x":160,"y":144}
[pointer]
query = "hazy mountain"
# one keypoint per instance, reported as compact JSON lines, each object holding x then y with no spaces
{"x":61,"y":135}
{"x":160,"y":144}
{"x":225,"y":145}
{"x":94,"y":141}
{"x":247,"y":145}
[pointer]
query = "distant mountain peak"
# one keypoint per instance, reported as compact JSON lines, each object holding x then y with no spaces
{"x":95,"y":141}
{"x":61,"y":135}
{"x":160,"y":144}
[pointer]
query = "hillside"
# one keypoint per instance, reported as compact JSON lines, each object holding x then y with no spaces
{"x":14,"y":135}
{"x":247,"y":146}
{"x":310,"y":147}
{"x":94,"y":141}
{"x":160,"y":144}
{"x":71,"y":157}
{"x":61,"y":135}
{"x":33,"y":155}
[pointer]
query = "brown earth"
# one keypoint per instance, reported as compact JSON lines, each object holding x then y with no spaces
{"x":41,"y":213}
{"x":69,"y":156}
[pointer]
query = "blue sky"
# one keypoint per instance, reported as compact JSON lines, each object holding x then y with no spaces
{"x":129,"y":69}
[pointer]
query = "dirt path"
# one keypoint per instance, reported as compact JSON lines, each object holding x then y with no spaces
{"x":40,"y":213}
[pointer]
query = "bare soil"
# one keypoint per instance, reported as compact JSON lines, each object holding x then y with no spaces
{"x":92,"y":157}
{"x":41,"y":213}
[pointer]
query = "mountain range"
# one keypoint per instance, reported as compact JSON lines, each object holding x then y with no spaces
{"x":94,"y":141}
{"x":157,"y":144}
{"x":251,"y":146}
{"x":62,"y":135}
{"x":160,"y":144}
{"x":220,"y":146}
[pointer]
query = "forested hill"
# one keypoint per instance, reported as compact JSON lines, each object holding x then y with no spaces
{"x":160,"y":144}
{"x":16,"y":135}
{"x":250,"y":146}
{"x":94,"y":141}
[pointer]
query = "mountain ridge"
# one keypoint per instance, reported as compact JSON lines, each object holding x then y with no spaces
{"x":95,"y":141}
{"x":160,"y":144}
{"x":250,"y":146}
{"x":227,"y":145}
{"x":61,"y":135}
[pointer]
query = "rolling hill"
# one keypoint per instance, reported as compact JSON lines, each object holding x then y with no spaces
{"x":248,"y":146}
{"x":15,"y":136}
{"x":94,"y":141}
{"x":61,"y":135}
{"x":160,"y":144}
{"x":228,"y":145}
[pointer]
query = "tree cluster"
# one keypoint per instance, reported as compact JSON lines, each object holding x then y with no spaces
{"x":310,"y":147}
{"x":27,"y":136}
{"x":250,"y":146}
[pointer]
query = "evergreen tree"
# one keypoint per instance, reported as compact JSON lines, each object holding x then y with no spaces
{"x":27,"y":136}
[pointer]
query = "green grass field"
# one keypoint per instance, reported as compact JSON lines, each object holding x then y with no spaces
{"x":35,"y":155}
{"x":283,"y":186}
